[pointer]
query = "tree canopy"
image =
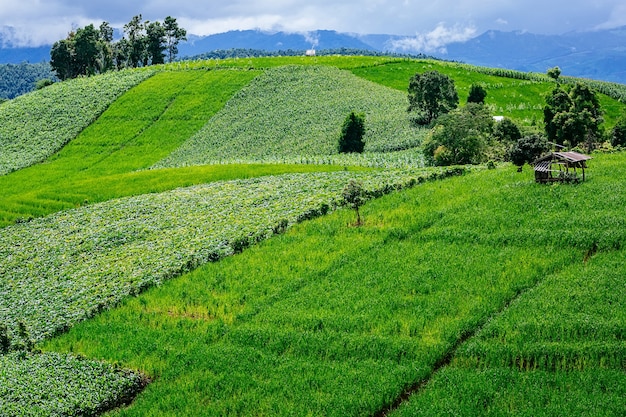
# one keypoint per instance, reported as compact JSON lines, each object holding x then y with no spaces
{"x":352,"y":132}
{"x":477,"y":94}
{"x":431,"y":94}
{"x":88,"y":50}
{"x":572,"y":117}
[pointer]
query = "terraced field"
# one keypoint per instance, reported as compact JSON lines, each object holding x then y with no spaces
{"x":481,"y":294}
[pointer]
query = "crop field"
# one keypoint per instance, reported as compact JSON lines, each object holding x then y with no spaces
{"x":297,"y":111}
{"x":34,"y":126}
{"x":184,"y":250}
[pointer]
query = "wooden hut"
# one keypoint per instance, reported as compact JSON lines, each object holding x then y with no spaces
{"x":560,"y":167}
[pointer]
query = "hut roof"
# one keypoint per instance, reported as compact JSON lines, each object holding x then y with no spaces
{"x":571,"y":157}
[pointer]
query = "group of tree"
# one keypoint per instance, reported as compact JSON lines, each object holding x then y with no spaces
{"x":90,"y":50}
{"x":469,"y":134}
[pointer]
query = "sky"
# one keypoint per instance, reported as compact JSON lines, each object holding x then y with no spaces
{"x":429,"y":23}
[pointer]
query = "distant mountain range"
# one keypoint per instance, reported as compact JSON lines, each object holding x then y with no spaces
{"x":598,"y":55}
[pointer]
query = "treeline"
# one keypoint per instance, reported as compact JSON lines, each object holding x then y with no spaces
{"x":19,"y":79}
{"x":92,"y":50}
{"x":258,"y":53}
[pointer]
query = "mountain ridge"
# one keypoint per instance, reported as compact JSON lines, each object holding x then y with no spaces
{"x":598,"y":55}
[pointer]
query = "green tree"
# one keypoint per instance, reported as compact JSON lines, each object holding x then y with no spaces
{"x":136,"y":41}
{"x":618,"y":133}
{"x":62,"y":58}
{"x":506,"y":131}
{"x":460,"y":137}
{"x":354,"y":197}
{"x":86,"y":50}
{"x":554,"y":73}
{"x":528,"y":149}
{"x":155,"y":43}
{"x":352,"y":132}
{"x":477,"y":94}
{"x":431,"y":94}
{"x":106,"y":47}
{"x":572,"y":117}
{"x":173,"y":35}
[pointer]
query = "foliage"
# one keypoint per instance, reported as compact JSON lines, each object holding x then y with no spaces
{"x":352,"y":132}
{"x":34,"y":126}
{"x":572,"y":117}
{"x":460,"y":137}
{"x":554,"y":73}
{"x":298,"y":111}
{"x":54,"y":384}
{"x":89,"y":51}
{"x":16,"y":80}
{"x":618,"y":133}
{"x":431,"y":94}
{"x":354,"y":196}
{"x":477,"y":94}
{"x":117,"y":248}
{"x":528,"y":149}
{"x":506,"y":131}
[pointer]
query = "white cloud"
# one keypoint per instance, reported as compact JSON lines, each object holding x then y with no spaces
{"x":436,"y":40}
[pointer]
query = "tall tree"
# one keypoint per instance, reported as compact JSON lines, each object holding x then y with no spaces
{"x":352,"y":132}
{"x":136,"y":41}
{"x":106,"y":47}
{"x":431,"y":94}
{"x":62,"y":58}
{"x":155,"y":43}
{"x":173,"y":35}
{"x":86,"y":50}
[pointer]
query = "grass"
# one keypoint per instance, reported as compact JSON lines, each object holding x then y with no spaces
{"x":344,"y":319}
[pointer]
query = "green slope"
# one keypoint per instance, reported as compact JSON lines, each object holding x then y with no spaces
{"x":298,"y":111}
{"x":334,"y":320}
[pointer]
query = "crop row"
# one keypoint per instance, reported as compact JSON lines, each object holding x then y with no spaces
{"x":298,"y":111}
{"x":52,"y":384}
{"x":34,"y":126}
{"x":63,"y":268}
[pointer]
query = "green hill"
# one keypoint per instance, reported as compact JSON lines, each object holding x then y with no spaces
{"x":482,"y":294}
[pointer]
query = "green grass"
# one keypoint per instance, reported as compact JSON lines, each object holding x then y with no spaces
{"x":344,"y":319}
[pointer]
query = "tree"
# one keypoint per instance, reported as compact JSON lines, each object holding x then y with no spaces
{"x":506,"y":131}
{"x":86,"y":50}
{"x":460,"y":137}
{"x":528,"y":149}
{"x":173,"y":35}
{"x":354,"y":197}
{"x":477,"y":94}
{"x":572,"y":116}
{"x":431,"y":94}
{"x":352,"y":132}
{"x":618,"y":133}
{"x":554,"y":73}
{"x":62,"y":58}
{"x":136,"y":41}
{"x":155,"y":43}
{"x":106,"y":47}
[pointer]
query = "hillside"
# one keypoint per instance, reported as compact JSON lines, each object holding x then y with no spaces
{"x":222,"y":287}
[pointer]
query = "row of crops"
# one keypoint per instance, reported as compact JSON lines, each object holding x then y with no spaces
{"x":34,"y":126}
{"x":64,"y":268}
{"x":297,"y":111}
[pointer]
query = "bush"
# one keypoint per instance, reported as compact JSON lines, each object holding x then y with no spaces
{"x":618,"y":134}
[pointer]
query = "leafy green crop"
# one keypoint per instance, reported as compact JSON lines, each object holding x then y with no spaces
{"x":66,"y":267}
{"x":51,"y":384}
{"x":298,"y":111}
{"x":34,"y":126}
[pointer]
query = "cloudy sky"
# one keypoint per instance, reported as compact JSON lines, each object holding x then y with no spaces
{"x":36,"y":22}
